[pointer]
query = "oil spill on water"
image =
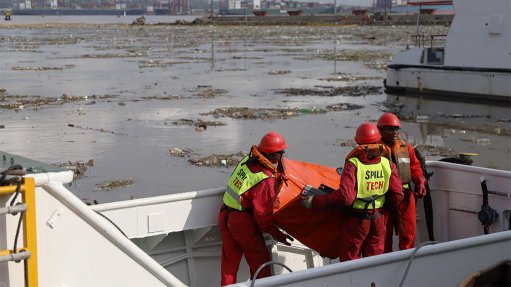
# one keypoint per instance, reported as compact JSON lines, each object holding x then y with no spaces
{"x":156,"y":110}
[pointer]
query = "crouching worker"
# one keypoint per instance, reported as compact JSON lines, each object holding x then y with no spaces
{"x":247,"y":211}
{"x":369,"y":182}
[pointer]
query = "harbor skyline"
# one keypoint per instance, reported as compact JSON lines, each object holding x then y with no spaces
{"x":121,"y":4}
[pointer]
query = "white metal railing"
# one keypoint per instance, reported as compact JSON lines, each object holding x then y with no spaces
{"x":105,"y":228}
{"x":140,"y":218}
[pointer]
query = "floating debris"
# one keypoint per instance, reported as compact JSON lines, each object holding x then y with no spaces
{"x":153,"y":64}
{"x":208,"y":92}
{"x":278,"y":72}
{"x":20,"y":102}
{"x":139,"y":21}
{"x":348,"y":78}
{"x":463,"y":116}
{"x":18,"y":68}
{"x":312,"y":110}
{"x":435,"y":150}
{"x":162,"y":97}
{"x":343,"y":107}
{"x":357,"y":55}
{"x":79,"y":168}
{"x":347,"y":142}
{"x":214,"y":160}
{"x":351,"y":91}
{"x":181,"y":122}
{"x":113,"y":184}
{"x":95,"y":129}
{"x":372,"y":59}
{"x":217,"y":160}
{"x":181,"y":152}
{"x":200,"y":125}
{"x":422,"y":119}
{"x":261,"y":113}
{"x":483,"y":141}
{"x":111,"y":56}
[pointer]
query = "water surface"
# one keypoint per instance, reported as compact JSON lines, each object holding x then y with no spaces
{"x":139,"y":80}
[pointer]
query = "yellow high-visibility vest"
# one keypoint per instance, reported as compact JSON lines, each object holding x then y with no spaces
{"x":242,"y":179}
{"x":372,"y":183}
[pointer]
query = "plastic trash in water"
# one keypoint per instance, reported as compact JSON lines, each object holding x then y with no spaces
{"x":422,"y":119}
{"x":483,"y":141}
{"x":36,"y":169}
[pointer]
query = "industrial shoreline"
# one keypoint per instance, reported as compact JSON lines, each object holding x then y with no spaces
{"x":328,"y":19}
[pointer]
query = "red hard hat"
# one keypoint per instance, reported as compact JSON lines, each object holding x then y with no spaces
{"x":272,"y":142}
{"x":367,"y":133}
{"x":388,"y":119}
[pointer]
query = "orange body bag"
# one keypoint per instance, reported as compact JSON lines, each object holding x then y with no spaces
{"x":317,"y":229}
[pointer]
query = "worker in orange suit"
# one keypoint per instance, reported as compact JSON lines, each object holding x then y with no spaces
{"x":408,"y":166}
{"x":247,"y":210}
{"x":369,"y":183}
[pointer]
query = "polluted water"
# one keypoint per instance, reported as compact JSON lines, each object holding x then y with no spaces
{"x":140,"y":111}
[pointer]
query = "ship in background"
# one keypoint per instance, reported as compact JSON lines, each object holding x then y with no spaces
{"x":292,"y":7}
{"x":263,"y":7}
{"x":212,"y":7}
{"x":471,"y":65}
{"x":90,"y":7}
{"x":79,"y":11}
{"x":68,"y":7}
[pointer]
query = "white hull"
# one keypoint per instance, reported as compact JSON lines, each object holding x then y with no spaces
{"x":444,"y":264}
{"x":475,"y":62}
{"x":449,"y":83}
{"x":174,"y":240}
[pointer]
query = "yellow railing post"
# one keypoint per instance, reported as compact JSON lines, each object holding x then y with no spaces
{"x":10,"y":189}
{"x":27,"y":190}
{"x":30,"y":231}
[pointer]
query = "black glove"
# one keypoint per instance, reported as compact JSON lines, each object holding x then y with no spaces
{"x":282,"y":238}
{"x":307,"y":201}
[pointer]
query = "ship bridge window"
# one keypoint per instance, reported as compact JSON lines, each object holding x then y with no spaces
{"x":434,"y":56}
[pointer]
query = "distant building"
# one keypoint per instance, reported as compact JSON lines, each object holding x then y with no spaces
{"x":388,"y":3}
{"x":381,"y":4}
{"x":171,"y":7}
{"x":265,"y":4}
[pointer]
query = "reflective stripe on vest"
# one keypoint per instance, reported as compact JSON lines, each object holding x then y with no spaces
{"x":401,"y":158}
{"x":372,"y":183}
{"x":242,"y":179}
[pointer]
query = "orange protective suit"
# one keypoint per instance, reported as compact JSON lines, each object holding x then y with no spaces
{"x":404,"y":217}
